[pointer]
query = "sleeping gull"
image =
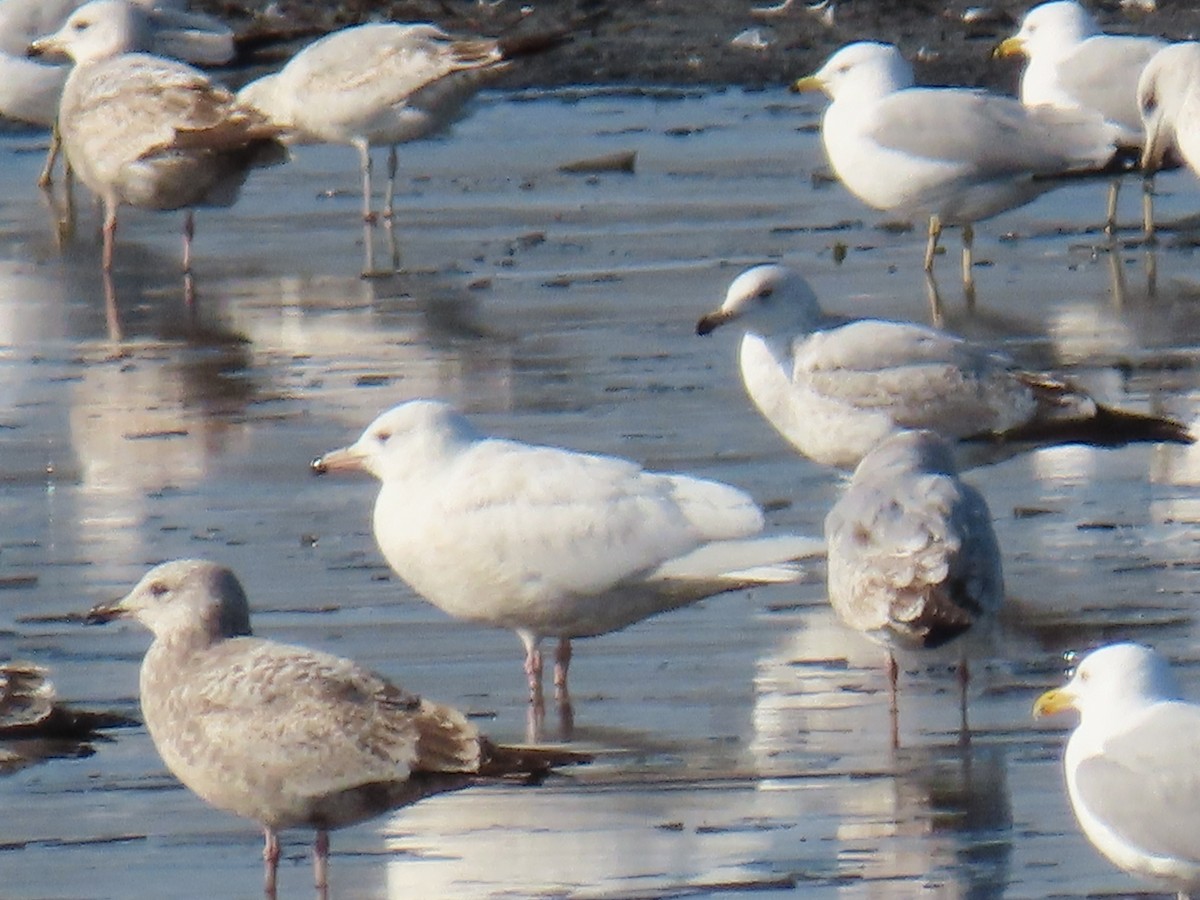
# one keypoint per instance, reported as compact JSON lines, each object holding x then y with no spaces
{"x":955,"y":155}
{"x":1169,"y":100}
{"x":549,"y":542}
{"x":1133,"y":763}
{"x":284,"y":735}
{"x":373,"y":85}
{"x":1074,"y":65}
{"x":835,"y":389}
{"x":30,"y":89}
{"x":913,"y":559}
{"x":150,"y":132}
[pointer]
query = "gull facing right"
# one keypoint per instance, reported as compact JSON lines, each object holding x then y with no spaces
{"x":836,"y":389}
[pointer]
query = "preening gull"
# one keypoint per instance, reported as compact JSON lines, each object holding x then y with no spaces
{"x":1073,"y":64}
{"x":549,"y":542}
{"x":1169,"y":100}
{"x":913,"y":559}
{"x":1133,"y":763}
{"x":287,"y":736}
{"x":379,"y":84}
{"x":835,"y":389}
{"x":955,"y":155}
{"x":149,"y":132}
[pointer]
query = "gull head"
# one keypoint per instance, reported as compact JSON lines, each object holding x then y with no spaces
{"x":96,"y":31}
{"x":190,"y":598}
{"x":1162,"y":90}
{"x":862,"y":70}
{"x":265,"y":96}
{"x":407,"y":439}
{"x":1050,"y":31}
{"x":1111,"y":683}
{"x":771,"y":298}
{"x":909,"y":451}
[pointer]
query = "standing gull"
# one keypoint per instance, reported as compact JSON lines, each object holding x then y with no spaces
{"x":1133,"y":763}
{"x":913,"y":559}
{"x":1169,"y":101}
{"x":835,"y":389}
{"x":1074,"y":65}
{"x":287,"y":736}
{"x":549,"y":542}
{"x":957,"y":156}
{"x":378,"y":84}
{"x":149,"y":132}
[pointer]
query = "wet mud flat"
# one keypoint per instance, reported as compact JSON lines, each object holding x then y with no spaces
{"x":743,"y":742}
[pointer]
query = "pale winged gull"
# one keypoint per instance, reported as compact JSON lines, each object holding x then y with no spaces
{"x":835,"y":389}
{"x":287,"y":736}
{"x":550,"y":542}
{"x":149,"y":132}
{"x":379,"y":84}
{"x":30,"y":90}
{"x":954,"y":155}
{"x":1133,"y":763}
{"x":913,"y":559}
{"x":1073,"y":64}
{"x":1169,"y":100}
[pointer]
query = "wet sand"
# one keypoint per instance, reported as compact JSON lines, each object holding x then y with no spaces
{"x":743,"y":742}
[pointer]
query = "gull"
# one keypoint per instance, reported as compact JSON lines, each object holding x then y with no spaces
{"x":835,"y":389}
{"x":1169,"y":101}
{"x":550,"y":542}
{"x":1073,"y":64}
{"x":913,"y":559}
{"x":955,"y":155}
{"x":30,"y":90}
{"x":144,"y":131}
{"x":283,"y":735}
{"x":374,"y":85}
{"x":1133,"y":763}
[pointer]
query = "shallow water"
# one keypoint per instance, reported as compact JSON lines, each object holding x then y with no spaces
{"x":744,"y":742}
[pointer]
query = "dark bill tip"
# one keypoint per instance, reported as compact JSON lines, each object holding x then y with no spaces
{"x":102,"y":613}
{"x":318,"y":467}
{"x":710,"y":323}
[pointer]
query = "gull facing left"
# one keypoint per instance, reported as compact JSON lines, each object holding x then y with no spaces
{"x":549,"y":542}
{"x":144,"y":131}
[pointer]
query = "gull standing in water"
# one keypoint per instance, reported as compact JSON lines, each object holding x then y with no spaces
{"x":1133,"y":763}
{"x":287,"y":736}
{"x":149,"y":132}
{"x":1073,"y":64}
{"x":835,"y":389}
{"x":913,"y":559}
{"x":372,"y":85}
{"x":549,"y":542}
{"x":955,"y":155}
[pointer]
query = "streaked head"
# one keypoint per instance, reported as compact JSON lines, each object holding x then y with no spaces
{"x":184,"y":598}
{"x":917,"y":451}
{"x":1111,"y":681}
{"x":770,"y":298}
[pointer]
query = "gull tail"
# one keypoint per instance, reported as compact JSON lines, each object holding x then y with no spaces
{"x":743,"y":563}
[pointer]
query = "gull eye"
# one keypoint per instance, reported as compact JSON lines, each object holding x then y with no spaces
{"x":383,"y":436}
{"x":81,"y":25}
{"x":766,"y":293}
{"x":157,"y":589}
{"x":1149,"y":103}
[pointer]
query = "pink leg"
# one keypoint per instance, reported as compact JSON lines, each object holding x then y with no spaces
{"x":270,"y":860}
{"x":189,"y":231}
{"x":110,"y":235}
{"x":893,"y":673}
{"x":533,"y":665}
{"x":562,"y":663}
{"x":321,"y":863}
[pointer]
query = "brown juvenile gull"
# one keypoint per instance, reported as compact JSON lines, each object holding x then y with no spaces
{"x":955,"y":155}
{"x":150,"y":132}
{"x":379,"y":84}
{"x":550,"y":542}
{"x":284,"y":735}
{"x":1133,"y":763}
{"x":1074,"y":65}
{"x":913,"y":560}
{"x":835,"y":388}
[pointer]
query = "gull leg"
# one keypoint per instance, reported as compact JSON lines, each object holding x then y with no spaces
{"x":893,"y":673}
{"x":189,"y":231}
{"x":1148,"y":209}
{"x":391,"y":183}
{"x":968,"y":257}
{"x":321,"y":863}
{"x":364,"y":166}
{"x":964,"y":678}
{"x":112,"y":316}
{"x":110,"y":234}
{"x":562,"y":662}
{"x":533,"y":664}
{"x":46,"y":178}
{"x":1110,"y":218}
{"x":935,"y":232}
{"x":936,"y":316}
{"x":270,"y":861}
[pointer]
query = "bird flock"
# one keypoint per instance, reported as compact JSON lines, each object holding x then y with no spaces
{"x":562,"y":545}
